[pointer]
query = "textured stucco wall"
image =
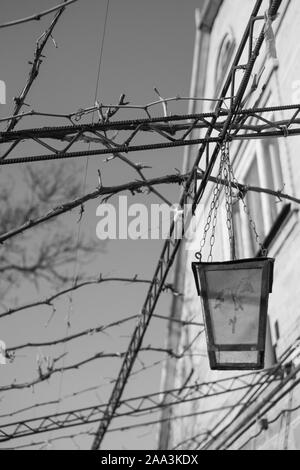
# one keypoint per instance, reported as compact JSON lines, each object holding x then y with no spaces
{"x":284,"y":305}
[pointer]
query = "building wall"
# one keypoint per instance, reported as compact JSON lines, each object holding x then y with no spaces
{"x":279,"y":84}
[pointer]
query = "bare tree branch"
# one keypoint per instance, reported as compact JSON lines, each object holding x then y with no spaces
{"x":46,"y":369}
{"x":37,"y":16}
{"x":49,"y":300}
{"x":134,"y":187}
{"x":35,"y":66}
{"x":49,"y":254}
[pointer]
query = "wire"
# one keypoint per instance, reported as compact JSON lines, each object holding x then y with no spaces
{"x":76,"y":265}
{"x":253,"y":394}
{"x":270,"y":422}
{"x":248,"y":421}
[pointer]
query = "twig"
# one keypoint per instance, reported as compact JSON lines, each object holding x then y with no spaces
{"x":138,"y":168}
{"x":66,"y":339}
{"x":37,"y":16}
{"x":51,"y":370}
{"x":49,"y":300}
{"x":35,"y":66}
{"x":133,"y":187}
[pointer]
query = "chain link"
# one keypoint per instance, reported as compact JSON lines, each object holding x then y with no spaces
{"x":227,"y":176}
{"x":226,"y":179}
{"x":212,"y":215}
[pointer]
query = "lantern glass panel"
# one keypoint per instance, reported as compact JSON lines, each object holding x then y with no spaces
{"x":234,"y":297}
{"x":237,"y":357}
{"x":234,"y":302}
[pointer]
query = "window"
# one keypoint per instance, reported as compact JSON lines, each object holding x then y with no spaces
{"x":262,"y":170}
{"x":224,"y":57}
{"x":254,"y":203}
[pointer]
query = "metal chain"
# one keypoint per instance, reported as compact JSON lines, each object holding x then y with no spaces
{"x":227,"y":179}
{"x":264,"y":251}
{"x":227,"y":176}
{"x":212,"y":216}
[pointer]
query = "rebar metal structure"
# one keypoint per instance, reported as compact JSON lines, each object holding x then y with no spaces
{"x":174,"y":131}
{"x":137,"y":406}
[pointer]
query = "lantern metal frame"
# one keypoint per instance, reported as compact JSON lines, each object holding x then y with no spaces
{"x":267,"y":266}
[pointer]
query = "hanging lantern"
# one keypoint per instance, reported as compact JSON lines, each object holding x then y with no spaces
{"x":234,"y":297}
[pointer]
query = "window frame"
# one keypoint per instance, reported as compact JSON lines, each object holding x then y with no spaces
{"x":254,"y":150}
{"x":228,"y":38}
